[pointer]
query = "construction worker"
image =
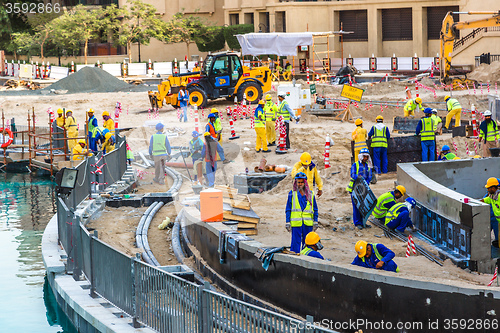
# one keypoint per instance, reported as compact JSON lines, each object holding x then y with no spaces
{"x":71,"y":129}
{"x":301,"y":212}
{"x":195,"y":148}
{"x":217,"y":124}
{"x":98,"y":137}
{"x":159,"y":148}
{"x":271,"y":110}
{"x":411,"y":105}
{"x":130,"y":154}
{"x":60,"y":118}
{"x":493,"y":200}
{"x":379,"y":133}
{"x":372,"y":255}
{"x":445,"y":154}
{"x":210,"y":128}
{"x":287,"y":113}
{"x":109,"y":143}
{"x":361,"y":168}
{"x":91,"y":122}
{"x":183,"y":99}
{"x":313,"y":245}
{"x":386,"y":201}
{"x":79,"y":152}
{"x":398,"y":216}
{"x":425,"y":128}
{"x":454,"y":110}
{"x":438,"y":122}
{"x":359,"y":136}
{"x":108,"y":122}
{"x":213,"y":152}
{"x":488,"y":133}
{"x":260,"y":128}
{"x":307,"y":166}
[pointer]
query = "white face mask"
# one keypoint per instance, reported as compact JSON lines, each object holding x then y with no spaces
{"x":409,"y":206}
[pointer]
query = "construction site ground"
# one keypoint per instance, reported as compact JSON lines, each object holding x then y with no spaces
{"x":116,"y":226}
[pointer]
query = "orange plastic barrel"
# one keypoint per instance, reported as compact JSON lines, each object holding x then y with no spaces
{"x":211,"y":205}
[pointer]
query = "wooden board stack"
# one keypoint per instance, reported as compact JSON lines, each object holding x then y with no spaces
{"x":237,"y":207}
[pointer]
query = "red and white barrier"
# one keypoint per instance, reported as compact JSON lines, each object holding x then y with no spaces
{"x":118,"y":110}
{"x":281,"y":149}
{"x":474,"y":121}
{"x":455,"y":147}
{"x":307,"y":75}
{"x":72,"y":67}
{"x":196,"y":120}
{"x":411,"y":245}
{"x":233,"y":132}
{"x":467,"y":148}
{"x":475,"y":148}
{"x":416,"y":89}
{"x":327,"y":152}
{"x":495,"y":276}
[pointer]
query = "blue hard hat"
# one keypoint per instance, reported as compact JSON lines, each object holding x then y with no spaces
{"x":445,"y":148}
{"x":195,"y":134}
{"x":427,"y":110}
{"x":212,"y":115}
{"x":364,"y":151}
{"x":159,"y":126}
{"x":300,"y":175}
{"x":411,"y":201}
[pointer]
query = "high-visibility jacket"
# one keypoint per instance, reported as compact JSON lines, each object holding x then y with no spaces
{"x":78,"y":153}
{"x":427,"y":132}
{"x":211,"y":129}
{"x":91,"y":125}
{"x":450,"y":156}
{"x":495,"y":206}
{"x":60,"y":121}
{"x":379,"y":138}
{"x":282,"y":111}
{"x":351,"y":182}
{"x":436,"y":121}
{"x":259,"y":112}
{"x":394,"y":211}
{"x":159,"y":147}
{"x":359,"y":136}
{"x":99,"y":132}
{"x":217,"y":125}
{"x":411,"y":105}
{"x":491,"y":132}
{"x":375,"y":251}
{"x":70,"y":125}
{"x":311,"y":173}
{"x":380,"y":209}
{"x":271,"y":110}
{"x":299,"y":216}
{"x":110,"y":125}
{"x":453,"y":104}
{"x":305,"y":251}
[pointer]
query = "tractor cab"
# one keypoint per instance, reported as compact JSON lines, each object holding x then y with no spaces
{"x":223,"y":71}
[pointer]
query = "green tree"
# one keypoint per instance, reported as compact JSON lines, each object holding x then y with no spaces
{"x":186,"y":29}
{"x":232,"y":30}
{"x":213,"y":41}
{"x":11,"y":23}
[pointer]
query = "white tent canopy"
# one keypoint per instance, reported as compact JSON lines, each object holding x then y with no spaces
{"x":281,"y":44}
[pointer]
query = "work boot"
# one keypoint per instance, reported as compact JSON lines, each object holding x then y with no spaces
{"x":257,"y":151}
{"x":266,"y":151}
{"x":360,"y":227}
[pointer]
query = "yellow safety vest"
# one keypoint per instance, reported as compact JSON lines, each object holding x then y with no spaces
{"x":284,"y":113}
{"x":392,"y":212}
{"x":379,"y":138}
{"x":380,"y":211}
{"x":427,"y":132}
{"x":270,"y":109}
{"x":410,"y":105}
{"x":360,"y":135}
{"x":305,"y":251}
{"x":453,"y":104}
{"x":257,"y":121}
{"x":491,"y":132}
{"x":374,"y":249}
{"x":351,"y":183}
{"x":159,"y":147}
{"x":299,"y":216}
{"x":436,"y":121}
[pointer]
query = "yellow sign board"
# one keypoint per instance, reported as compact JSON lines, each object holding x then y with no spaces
{"x":352,"y":92}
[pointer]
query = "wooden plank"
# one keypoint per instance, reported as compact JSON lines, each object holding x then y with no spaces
{"x":248,"y":232}
{"x":246,"y":225}
{"x":230,"y":216}
{"x":237,"y":203}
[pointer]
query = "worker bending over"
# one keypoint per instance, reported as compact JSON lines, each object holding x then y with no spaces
{"x":108,"y":122}
{"x":379,"y":133}
{"x":307,"y":166}
{"x":79,"y":152}
{"x":71,"y":129}
{"x":109,"y":143}
{"x":271,"y":110}
{"x":445,"y":154}
{"x":372,"y":255}
{"x":386,"y":201}
{"x":411,"y":105}
{"x":287,"y":113}
{"x":398,"y":216}
{"x":492,"y":199}
{"x":213,"y":152}
{"x":313,"y":245}
{"x":425,"y":128}
{"x":359,"y":136}
{"x":488,"y":133}
{"x":301,"y":212}
{"x":362,"y":168}
{"x":454,"y":110}
{"x":98,"y":138}
{"x":159,"y":148}
{"x":260,"y":128}
{"x":438,"y":122}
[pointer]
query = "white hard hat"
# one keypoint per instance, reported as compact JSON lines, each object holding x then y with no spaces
{"x":282,"y":95}
{"x":487,"y":113}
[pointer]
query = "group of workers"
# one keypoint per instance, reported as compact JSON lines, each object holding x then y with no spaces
{"x":452,"y":106}
{"x":379,"y":134}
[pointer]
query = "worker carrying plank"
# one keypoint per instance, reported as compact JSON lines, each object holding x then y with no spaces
{"x":376,"y":256}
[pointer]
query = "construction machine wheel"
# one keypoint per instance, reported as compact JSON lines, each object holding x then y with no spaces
{"x":252,"y":91}
{"x":197,"y":97}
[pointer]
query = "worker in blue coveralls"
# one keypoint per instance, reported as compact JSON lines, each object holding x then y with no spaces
{"x":425,"y":128}
{"x":301,"y":212}
{"x":398,"y":216}
{"x":362,"y":168}
{"x":379,"y":133}
{"x":377,"y":256}
{"x":313,"y":245}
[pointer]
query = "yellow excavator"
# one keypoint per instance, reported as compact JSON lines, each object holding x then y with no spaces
{"x":220,"y":75}
{"x":449,"y":33}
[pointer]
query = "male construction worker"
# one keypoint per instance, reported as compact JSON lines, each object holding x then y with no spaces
{"x":425,"y":128}
{"x":91,"y":123}
{"x":260,"y":128}
{"x":301,"y":212}
{"x":454,"y":110}
{"x":313,"y":246}
{"x":372,"y":255}
{"x":488,"y":133}
{"x":213,"y":152}
{"x":183,"y":99}
{"x":386,"y":201}
{"x":287,"y":113}
{"x":60,"y":118}
{"x":108,"y":122}
{"x":271,"y":110}
{"x":438,"y":122}
{"x":411,"y":105}
{"x":98,"y":137}
{"x":398,"y":216}
{"x":361,"y":168}
{"x":217,"y":124}
{"x":445,"y":154}
{"x":159,"y":148}
{"x":359,"y":136}
{"x":195,"y":148}
{"x":210,"y":128}
{"x":79,"y":152}
{"x":379,"y":133}
{"x":71,"y":129}
{"x":109,"y":143}
{"x":307,"y":166}
{"x":493,"y":200}
{"x":58,"y":129}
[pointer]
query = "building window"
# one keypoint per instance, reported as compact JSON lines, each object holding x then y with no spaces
{"x":355,"y":21}
{"x":435,"y":16}
{"x":249,"y":18}
{"x":280,"y":22}
{"x":234,"y":19}
{"x":397,"y":24}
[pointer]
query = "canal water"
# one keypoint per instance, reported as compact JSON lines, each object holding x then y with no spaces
{"x":28,"y":305}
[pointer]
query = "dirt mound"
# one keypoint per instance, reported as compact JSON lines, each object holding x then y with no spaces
{"x":89,"y":79}
{"x":486,"y":73}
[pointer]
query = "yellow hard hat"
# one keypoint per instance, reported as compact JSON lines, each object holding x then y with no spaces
{"x":358,"y":122}
{"x":268,"y":97}
{"x":456,"y":158}
{"x":305,"y":158}
{"x":401,"y":189}
{"x":105,"y":113}
{"x":81,"y":141}
{"x":262,"y":102}
{"x":107,"y":135}
{"x":90,"y":110}
{"x":206,"y":134}
{"x":418,"y":100}
{"x":60,"y":111}
{"x":477,"y":156}
{"x":379,"y":118}
{"x":214,"y":110}
{"x":491,"y":182}
{"x":446,"y":97}
{"x":68,"y":111}
{"x":312,"y":238}
{"x":360,"y":248}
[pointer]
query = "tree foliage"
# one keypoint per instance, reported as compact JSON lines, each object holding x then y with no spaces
{"x":232,"y":30}
{"x":186,"y":29}
{"x":213,"y":41}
